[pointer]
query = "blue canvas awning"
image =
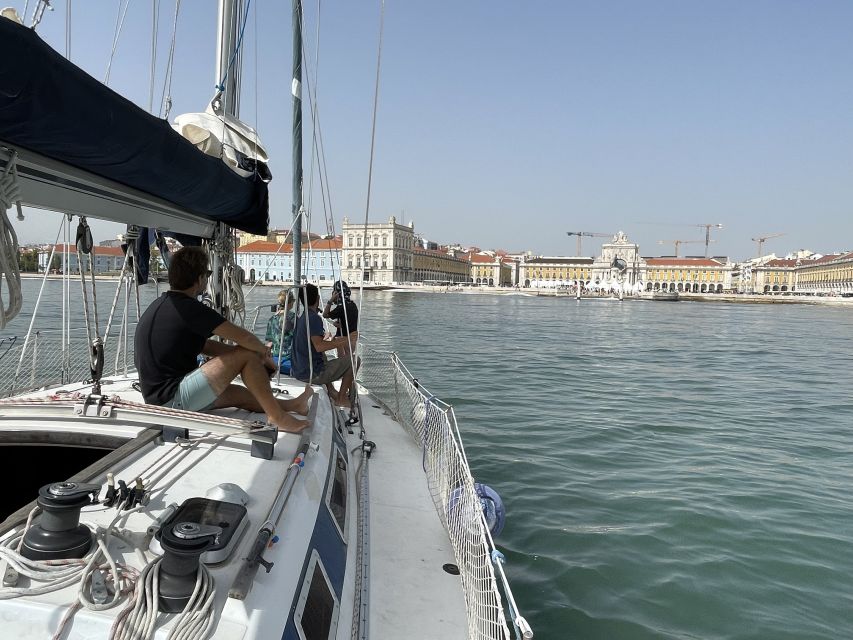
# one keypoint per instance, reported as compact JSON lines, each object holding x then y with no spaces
{"x":75,"y":135}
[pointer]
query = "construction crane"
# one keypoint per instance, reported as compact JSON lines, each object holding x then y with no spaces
{"x":588,"y":234}
{"x":707,"y":228}
{"x":678,"y":243}
{"x":760,"y":240}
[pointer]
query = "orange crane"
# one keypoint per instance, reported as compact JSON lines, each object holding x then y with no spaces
{"x":760,"y":240}
{"x":707,"y":228}
{"x":678,"y":243}
{"x":588,"y":234}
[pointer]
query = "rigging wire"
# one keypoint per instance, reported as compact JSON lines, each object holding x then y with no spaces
{"x":68,"y":30}
{"x":155,"y":19}
{"x":221,"y":85}
{"x":120,"y":16}
{"x":372,"y":148}
{"x":166,"y":95}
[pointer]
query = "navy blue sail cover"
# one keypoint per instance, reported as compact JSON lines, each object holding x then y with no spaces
{"x":51,"y":107}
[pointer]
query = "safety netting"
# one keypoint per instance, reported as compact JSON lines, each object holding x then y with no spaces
{"x":432,"y":424}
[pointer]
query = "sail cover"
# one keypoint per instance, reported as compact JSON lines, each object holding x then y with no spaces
{"x":51,"y":107}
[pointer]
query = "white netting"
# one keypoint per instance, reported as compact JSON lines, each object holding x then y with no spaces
{"x":432,"y":424}
{"x":46,"y":363}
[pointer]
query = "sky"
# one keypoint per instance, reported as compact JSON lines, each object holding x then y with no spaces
{"x":506,"y":124}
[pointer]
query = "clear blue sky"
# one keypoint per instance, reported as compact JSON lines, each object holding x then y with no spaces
{"x":507,"y":124}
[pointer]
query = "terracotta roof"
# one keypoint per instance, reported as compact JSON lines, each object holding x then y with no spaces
{"x":264,"y":246}
{"x":97,"y":250}
{"x":780,"y":262}
{"x":439,"y":253}
{"x":682,"y":262}
{"x":827,"y":258}
{"x":482,"y":259}
{"x":563,"y":260}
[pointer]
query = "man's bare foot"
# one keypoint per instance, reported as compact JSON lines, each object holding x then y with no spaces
{"x":289,"y":424}
{"x":300,"y":403}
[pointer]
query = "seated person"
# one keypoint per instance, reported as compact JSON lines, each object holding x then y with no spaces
{"x":309,"y":351}
{"x":343,"y":313}
{"x":279,"y":335}
{"x":176,"y":328}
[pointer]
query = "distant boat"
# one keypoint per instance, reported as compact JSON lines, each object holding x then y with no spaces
{"x":666,"y":296}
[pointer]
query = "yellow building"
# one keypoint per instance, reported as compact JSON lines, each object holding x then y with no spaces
{"x":438,"y":266}
{"x":828,"y":275}
{"x":689,"y":275}
{"x":553,"y":272}
{"x":491,"y":270}
{"x":778,"y":275}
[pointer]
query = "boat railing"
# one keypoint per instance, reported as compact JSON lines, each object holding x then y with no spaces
{"x":46,"y":358}
{"x":432,"y":424}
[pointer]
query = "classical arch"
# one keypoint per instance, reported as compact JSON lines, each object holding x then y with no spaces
{"x":526,"y":283}
{"x":703,"y":288}
{"x":775,"y":287}
{"x":648,"y":286}
{"x":766,"y":288}
{"x":680,"y":286}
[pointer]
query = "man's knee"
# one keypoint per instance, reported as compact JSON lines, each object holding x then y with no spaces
{"x":241,"y":355}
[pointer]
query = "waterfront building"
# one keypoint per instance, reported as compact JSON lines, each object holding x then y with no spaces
{"x":273,"y":262}
{"x":437,"y":265}
{"x":688,"y":275}
{"x":603,"y":271}
{"x":827,"y":275}
{"x":244,"y":238}
{"x":106,"y":259}
{"x":490,"y":269}
{"x":550,"y":272}
{"x":775,"y":275}
{"x":381,"y":252}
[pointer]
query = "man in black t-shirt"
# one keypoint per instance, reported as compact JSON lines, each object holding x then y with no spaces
{"x":176,"y":328}
{"x":344,"y":313}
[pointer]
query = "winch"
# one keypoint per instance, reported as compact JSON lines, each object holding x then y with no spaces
{"x":58,"y":533}
{"x":182,"y":543}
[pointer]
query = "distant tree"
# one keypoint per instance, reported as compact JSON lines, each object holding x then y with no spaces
{"x":56,"y":263}
{"x":28,"y":261}
{"x":155,"y":264}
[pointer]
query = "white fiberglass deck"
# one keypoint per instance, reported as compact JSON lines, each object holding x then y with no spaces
{"x":411,"y":594}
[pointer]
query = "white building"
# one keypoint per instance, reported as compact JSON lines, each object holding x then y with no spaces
{"x":381,"y":252}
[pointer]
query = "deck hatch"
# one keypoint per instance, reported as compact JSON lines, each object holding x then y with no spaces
{"x":336,"y":495}
{"x":316,"y":615}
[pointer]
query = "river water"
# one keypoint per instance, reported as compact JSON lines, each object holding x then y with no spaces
{"x":669,"y":470}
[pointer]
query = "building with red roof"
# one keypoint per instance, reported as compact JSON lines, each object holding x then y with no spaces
{"x":273,"y":261}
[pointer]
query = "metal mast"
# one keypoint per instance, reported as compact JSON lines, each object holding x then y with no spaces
{"x":228,"y":65}
{"x":296,"y":90}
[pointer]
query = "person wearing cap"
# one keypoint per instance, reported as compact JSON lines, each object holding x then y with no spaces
{"x":343,"y":313}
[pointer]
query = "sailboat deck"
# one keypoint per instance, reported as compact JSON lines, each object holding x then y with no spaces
{"x":411,"y":595}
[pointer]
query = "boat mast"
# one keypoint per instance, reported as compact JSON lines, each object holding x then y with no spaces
{"x":228,"y":66}
{"x":296,"y":90}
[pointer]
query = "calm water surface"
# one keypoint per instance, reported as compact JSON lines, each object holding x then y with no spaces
{"x":669,"y":470}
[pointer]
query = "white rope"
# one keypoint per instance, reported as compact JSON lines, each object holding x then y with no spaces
{"x":9,"y":268}
{"x":137,"y":621}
